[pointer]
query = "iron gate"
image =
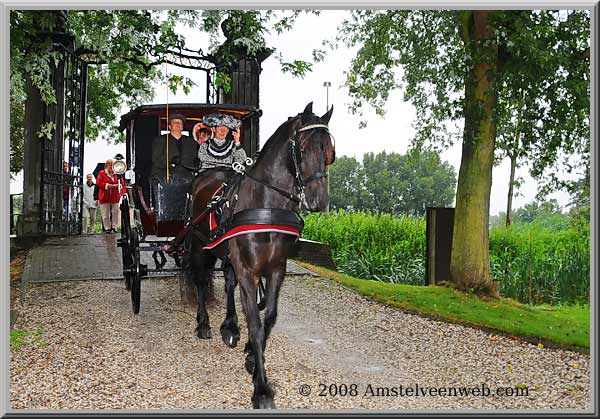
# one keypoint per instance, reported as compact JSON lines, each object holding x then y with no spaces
{"x":61,"y":193}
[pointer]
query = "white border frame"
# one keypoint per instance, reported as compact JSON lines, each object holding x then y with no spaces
{"x":6,"y":6}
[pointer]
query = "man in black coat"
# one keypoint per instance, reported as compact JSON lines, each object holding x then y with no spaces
{"x":182,"y":150}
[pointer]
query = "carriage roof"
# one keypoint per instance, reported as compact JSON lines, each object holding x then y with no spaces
{"x":189,"y":110}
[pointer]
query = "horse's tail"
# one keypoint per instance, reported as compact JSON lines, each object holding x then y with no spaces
{"x":189,"y":290}
{"x":188,"y":287}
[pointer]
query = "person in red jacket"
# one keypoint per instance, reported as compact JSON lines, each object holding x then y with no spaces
{"x":110,"y":190}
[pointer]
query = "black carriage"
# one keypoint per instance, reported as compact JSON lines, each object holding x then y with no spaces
{"x":154,"y":212}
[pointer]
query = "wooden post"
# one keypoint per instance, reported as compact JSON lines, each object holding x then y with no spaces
{"x":439,"y":231}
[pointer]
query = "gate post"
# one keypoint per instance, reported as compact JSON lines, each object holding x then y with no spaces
{"x":35,"y":164}
{"x":244,"y":75}
{"x":32,"y":162}
{"x":51,"y":197}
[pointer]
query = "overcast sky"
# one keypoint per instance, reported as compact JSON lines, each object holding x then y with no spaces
{"x":282,"y":95}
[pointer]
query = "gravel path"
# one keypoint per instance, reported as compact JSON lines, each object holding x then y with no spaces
{"x":87,"y":351}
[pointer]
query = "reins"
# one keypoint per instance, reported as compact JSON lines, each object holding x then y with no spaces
{"x":300,"y":182}
{"x":275,"y":188}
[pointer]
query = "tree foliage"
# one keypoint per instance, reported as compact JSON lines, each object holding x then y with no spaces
{"x":17,"y":132}
{"x":125,"y":47}
{"x":127,"y":50}
{"x":543,"y":75}
{"x":246,"y":29}
{"x":537,"y":209}
{"x":392,"y":183}
{"x":346,"y":185}
{"x":544,"y":96}
{"x":546,"y":214}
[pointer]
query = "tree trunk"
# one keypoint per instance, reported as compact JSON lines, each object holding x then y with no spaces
{"x":511,"y":184}
{"x":513,"y":162}
{"x":469,"y":265}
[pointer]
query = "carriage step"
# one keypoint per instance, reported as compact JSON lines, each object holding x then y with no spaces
{"x":143,"y":269}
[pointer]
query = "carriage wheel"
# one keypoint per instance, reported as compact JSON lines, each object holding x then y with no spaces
{"x":136,"y":274}
{"x":125,"y":243}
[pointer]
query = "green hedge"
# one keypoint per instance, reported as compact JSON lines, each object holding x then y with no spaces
{"x":380,"y":247}
{"x":532,"y":264}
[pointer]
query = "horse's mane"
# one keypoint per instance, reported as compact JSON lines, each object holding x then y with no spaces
{"x":280,"y":133}
{"x":273,"y":139}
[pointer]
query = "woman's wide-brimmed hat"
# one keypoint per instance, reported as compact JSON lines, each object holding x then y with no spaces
{"x":197,"y":128}
{"x":218,"y":119}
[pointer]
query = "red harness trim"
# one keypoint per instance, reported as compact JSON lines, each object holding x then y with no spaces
{"x":253,"y":228}
{"x":212,"y":221}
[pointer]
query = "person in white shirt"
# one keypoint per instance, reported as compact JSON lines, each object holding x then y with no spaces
{"x":89,"y":206}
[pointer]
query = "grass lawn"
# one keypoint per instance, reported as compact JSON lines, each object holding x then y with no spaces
{"x":563,"y":326}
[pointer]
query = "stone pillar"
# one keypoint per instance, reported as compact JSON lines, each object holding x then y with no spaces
{"x":32,"y":162}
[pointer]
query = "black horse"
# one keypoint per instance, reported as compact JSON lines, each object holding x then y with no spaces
{"x":289,"y":173}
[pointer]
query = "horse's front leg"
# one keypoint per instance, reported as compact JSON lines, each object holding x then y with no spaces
{"x":230,"y":332}
{"x":202,"y":263}
{"x":274,"y":282}
{"x":263,"y":393}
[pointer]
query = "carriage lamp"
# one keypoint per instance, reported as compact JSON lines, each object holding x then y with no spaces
{"x":119,"y":167}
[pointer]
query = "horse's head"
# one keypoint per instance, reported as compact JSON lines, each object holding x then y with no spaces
{"x":312,"y":150}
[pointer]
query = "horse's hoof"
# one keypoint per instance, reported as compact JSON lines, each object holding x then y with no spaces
{"x":204,"y":332}
{"x":249,"y":364}
{"x":230,"y":338}
{"x":263,"y":402}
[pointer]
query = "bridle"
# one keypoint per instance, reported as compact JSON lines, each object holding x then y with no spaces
{"x":300,"y":181}
{"x":296,"y":152}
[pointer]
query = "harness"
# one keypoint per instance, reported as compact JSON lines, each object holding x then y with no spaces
{"x":299,"y":182}
{"x":259,"y":220}
{"x":256,"y":220}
